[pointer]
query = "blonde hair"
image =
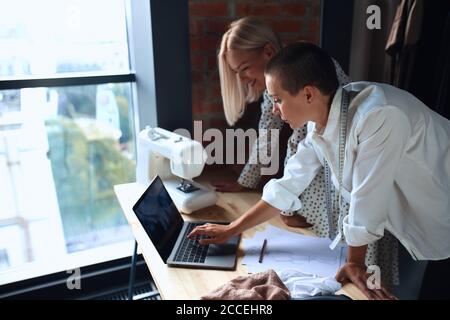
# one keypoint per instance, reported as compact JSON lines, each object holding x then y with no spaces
{"x":246,"y":34}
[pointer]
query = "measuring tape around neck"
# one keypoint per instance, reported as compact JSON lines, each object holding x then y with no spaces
{"x":343,"y":120}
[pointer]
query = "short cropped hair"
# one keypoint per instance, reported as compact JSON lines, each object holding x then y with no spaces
{"x":300,"y":64}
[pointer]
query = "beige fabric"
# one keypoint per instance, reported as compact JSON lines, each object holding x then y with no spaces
{"x":259,"y":286}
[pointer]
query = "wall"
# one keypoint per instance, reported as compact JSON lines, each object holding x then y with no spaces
{"x":208,"y":20}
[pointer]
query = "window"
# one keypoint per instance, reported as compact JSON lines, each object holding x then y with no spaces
{"x":49,"y":37}
{"x":67,"y":134}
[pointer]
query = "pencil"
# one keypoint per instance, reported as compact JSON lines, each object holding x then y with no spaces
{"x":263,"y":249}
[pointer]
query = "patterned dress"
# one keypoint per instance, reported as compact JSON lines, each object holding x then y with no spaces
{"x":383,"y":253}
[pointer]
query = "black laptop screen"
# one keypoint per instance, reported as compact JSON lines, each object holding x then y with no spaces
{"x":160,"y":217}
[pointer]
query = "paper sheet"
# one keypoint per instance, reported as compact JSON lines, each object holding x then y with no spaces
{"x":289,"y":250}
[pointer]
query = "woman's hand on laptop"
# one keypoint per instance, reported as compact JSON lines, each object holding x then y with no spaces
{"x":219,"y":233}
{"x":215,"y":233}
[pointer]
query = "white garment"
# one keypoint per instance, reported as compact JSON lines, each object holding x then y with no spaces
{"x":302,"y":285}
{"x":396,"y":172}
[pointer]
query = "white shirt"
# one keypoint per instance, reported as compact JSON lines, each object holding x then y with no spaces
{"x":396,"y":171}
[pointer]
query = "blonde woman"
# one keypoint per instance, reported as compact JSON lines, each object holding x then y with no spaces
{"x":246,"y":48}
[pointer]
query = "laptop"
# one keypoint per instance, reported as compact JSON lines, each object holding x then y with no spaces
{"x":168,"y":232}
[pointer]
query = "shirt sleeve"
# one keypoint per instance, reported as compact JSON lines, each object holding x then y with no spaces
{"x":381,"y":136}
{"x":298,"y":135}
{"x":251,"y":174}
{"x":299,"y":171}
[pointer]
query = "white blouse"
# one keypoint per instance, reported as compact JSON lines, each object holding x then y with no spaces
{"x":396,"y":170}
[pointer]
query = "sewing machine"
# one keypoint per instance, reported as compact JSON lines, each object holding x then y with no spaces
{"x":177,"y":160}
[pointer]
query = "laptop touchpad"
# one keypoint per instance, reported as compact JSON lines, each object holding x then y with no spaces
{"x":221,"y":249}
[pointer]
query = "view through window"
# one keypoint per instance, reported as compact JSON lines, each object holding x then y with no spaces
{"x":63,"y":148}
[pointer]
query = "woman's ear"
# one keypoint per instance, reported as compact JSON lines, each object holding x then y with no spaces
{"x":269,"y":50}
{"x":309,"y":93}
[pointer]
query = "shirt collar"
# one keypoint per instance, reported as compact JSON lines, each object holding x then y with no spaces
{"x":332,"y":126}
{"x":367,"y":94}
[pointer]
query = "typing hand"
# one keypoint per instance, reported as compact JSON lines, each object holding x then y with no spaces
{"x":356,"y":274}
{"x":228,"y":187}
{"x":215,"y":233}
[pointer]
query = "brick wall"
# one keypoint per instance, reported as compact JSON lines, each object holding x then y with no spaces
{"x":208,"y":20}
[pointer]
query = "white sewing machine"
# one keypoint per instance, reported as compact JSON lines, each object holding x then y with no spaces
{"x":177,"y":160}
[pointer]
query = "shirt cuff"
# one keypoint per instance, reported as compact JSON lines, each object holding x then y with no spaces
{"x":279,"y":197}
{"x":357,"y":236}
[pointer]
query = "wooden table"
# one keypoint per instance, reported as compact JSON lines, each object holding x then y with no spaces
{"x":183,"y":283}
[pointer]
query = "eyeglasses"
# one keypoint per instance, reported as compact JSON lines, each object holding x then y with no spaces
{"x":274,"y":100}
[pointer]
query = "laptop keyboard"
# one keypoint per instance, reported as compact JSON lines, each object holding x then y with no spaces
{"x":190,"y":250}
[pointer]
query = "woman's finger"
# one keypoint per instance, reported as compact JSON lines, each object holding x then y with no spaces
{"x":380,"y":294}
{"x":369,"y":294}
{"x":363,"y":287}
{"x":341,"y":278}
{"x":196,"y":232}
{"x":388,"y":294}
{"x":211,"y":230}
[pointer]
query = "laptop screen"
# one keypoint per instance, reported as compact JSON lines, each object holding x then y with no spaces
{"x":160,"y":217}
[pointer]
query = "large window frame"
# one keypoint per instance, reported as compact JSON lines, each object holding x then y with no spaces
{"x":79,"y":79}
{"x":158,"y":44}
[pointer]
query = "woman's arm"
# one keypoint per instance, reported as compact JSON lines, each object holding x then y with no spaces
{"x":281,"y":194}
{"x":257,"y":214}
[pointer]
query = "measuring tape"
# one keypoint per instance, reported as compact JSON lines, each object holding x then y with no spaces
{"x":343,"y":119}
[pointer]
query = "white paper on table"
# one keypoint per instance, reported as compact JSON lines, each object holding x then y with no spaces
{"x":287,"y":250}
